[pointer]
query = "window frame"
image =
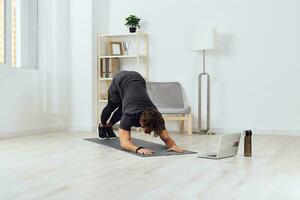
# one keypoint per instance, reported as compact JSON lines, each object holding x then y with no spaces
{"x":7,"y":35}
{"x":7,"y":65}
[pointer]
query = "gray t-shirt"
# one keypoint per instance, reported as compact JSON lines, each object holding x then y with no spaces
{"x":129,"y":89}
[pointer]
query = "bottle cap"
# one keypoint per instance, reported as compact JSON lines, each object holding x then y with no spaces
{"x":248,"y":132}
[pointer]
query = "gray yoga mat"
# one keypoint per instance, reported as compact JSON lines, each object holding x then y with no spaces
{"x":159,"y":150}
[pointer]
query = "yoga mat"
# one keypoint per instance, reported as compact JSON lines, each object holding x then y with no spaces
{"x":159,"y":150}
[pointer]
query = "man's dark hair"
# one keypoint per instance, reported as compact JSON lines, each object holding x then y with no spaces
{"x":151,"y":118}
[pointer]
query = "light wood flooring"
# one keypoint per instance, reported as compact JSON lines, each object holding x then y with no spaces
{"x":64,"y":166}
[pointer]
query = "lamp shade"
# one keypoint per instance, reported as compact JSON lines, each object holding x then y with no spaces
{"x":204,"y":39}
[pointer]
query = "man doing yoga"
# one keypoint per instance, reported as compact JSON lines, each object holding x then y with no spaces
{"x":129,"y":102}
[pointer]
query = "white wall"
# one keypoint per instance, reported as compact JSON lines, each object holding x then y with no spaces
{"x":100,"y":25}
{"x":254,"y":70}
{"x":22,"y":99}
{"x":21,"y":102}
{"x":81,"y":64}
{"x":60,"y":93}
{"x":87,"y":18}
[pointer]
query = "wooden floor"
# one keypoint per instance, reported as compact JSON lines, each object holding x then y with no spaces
{"x":64,"y":166}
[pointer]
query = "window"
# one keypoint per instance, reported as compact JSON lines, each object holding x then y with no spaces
{"x":18,"y":33}
{"x":13,"y":33}
{"x":2,"y":31}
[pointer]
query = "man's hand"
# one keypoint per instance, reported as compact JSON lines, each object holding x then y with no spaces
{"x":176,"y":149}
{"x":146,"y":152}
{"x":170,"y":144}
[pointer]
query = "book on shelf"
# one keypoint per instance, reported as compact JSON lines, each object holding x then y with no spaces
{"x":109,"y":67}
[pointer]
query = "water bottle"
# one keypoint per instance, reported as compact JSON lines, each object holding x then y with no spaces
{"x":248,"y":143}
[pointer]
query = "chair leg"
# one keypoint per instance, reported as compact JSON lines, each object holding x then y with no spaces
{"x":181,"y":125}
{"x":190,"y":124}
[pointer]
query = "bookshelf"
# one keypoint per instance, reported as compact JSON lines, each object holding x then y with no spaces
{"x":133,"y":57}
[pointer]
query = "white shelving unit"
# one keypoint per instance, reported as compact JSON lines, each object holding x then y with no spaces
{"x":136,"y":56}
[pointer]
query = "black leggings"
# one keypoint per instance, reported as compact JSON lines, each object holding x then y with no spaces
{"x":108,"y":110}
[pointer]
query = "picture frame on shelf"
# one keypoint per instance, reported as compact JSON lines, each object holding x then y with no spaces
{"x":116,"y":48}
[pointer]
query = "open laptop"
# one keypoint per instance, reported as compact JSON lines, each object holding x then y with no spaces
{"x":228,"y":147}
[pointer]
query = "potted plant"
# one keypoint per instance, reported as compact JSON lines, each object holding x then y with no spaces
{"x":132,"y":22}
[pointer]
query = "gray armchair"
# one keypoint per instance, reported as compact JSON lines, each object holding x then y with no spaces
{"x":168,"y":98}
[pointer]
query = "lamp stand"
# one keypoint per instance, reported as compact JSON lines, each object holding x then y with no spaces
{"x":203,"y":76}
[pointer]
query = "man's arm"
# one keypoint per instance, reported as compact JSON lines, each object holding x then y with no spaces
{"x":164,"y":136}
{"x":126,"y":143}
{"x":170,"y":143}
{"x":125,"y":140}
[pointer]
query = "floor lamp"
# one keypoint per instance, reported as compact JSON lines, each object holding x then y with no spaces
{"x":204,"y":40}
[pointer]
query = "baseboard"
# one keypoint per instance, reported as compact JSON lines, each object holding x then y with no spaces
{"x":80,"y":128}
{"x":216,"y":130}
{"x":18,"y":133}
{"x":257,"y":131}
{"x":276,"y":132}
{"x":25,"y":132}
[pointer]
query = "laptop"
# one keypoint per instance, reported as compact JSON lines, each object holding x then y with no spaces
{"x":228,"y":147}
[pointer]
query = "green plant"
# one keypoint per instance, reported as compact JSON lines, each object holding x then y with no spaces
{"x":132,"y":21}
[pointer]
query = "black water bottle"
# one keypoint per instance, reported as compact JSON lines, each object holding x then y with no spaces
{"x":248,"y":143}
